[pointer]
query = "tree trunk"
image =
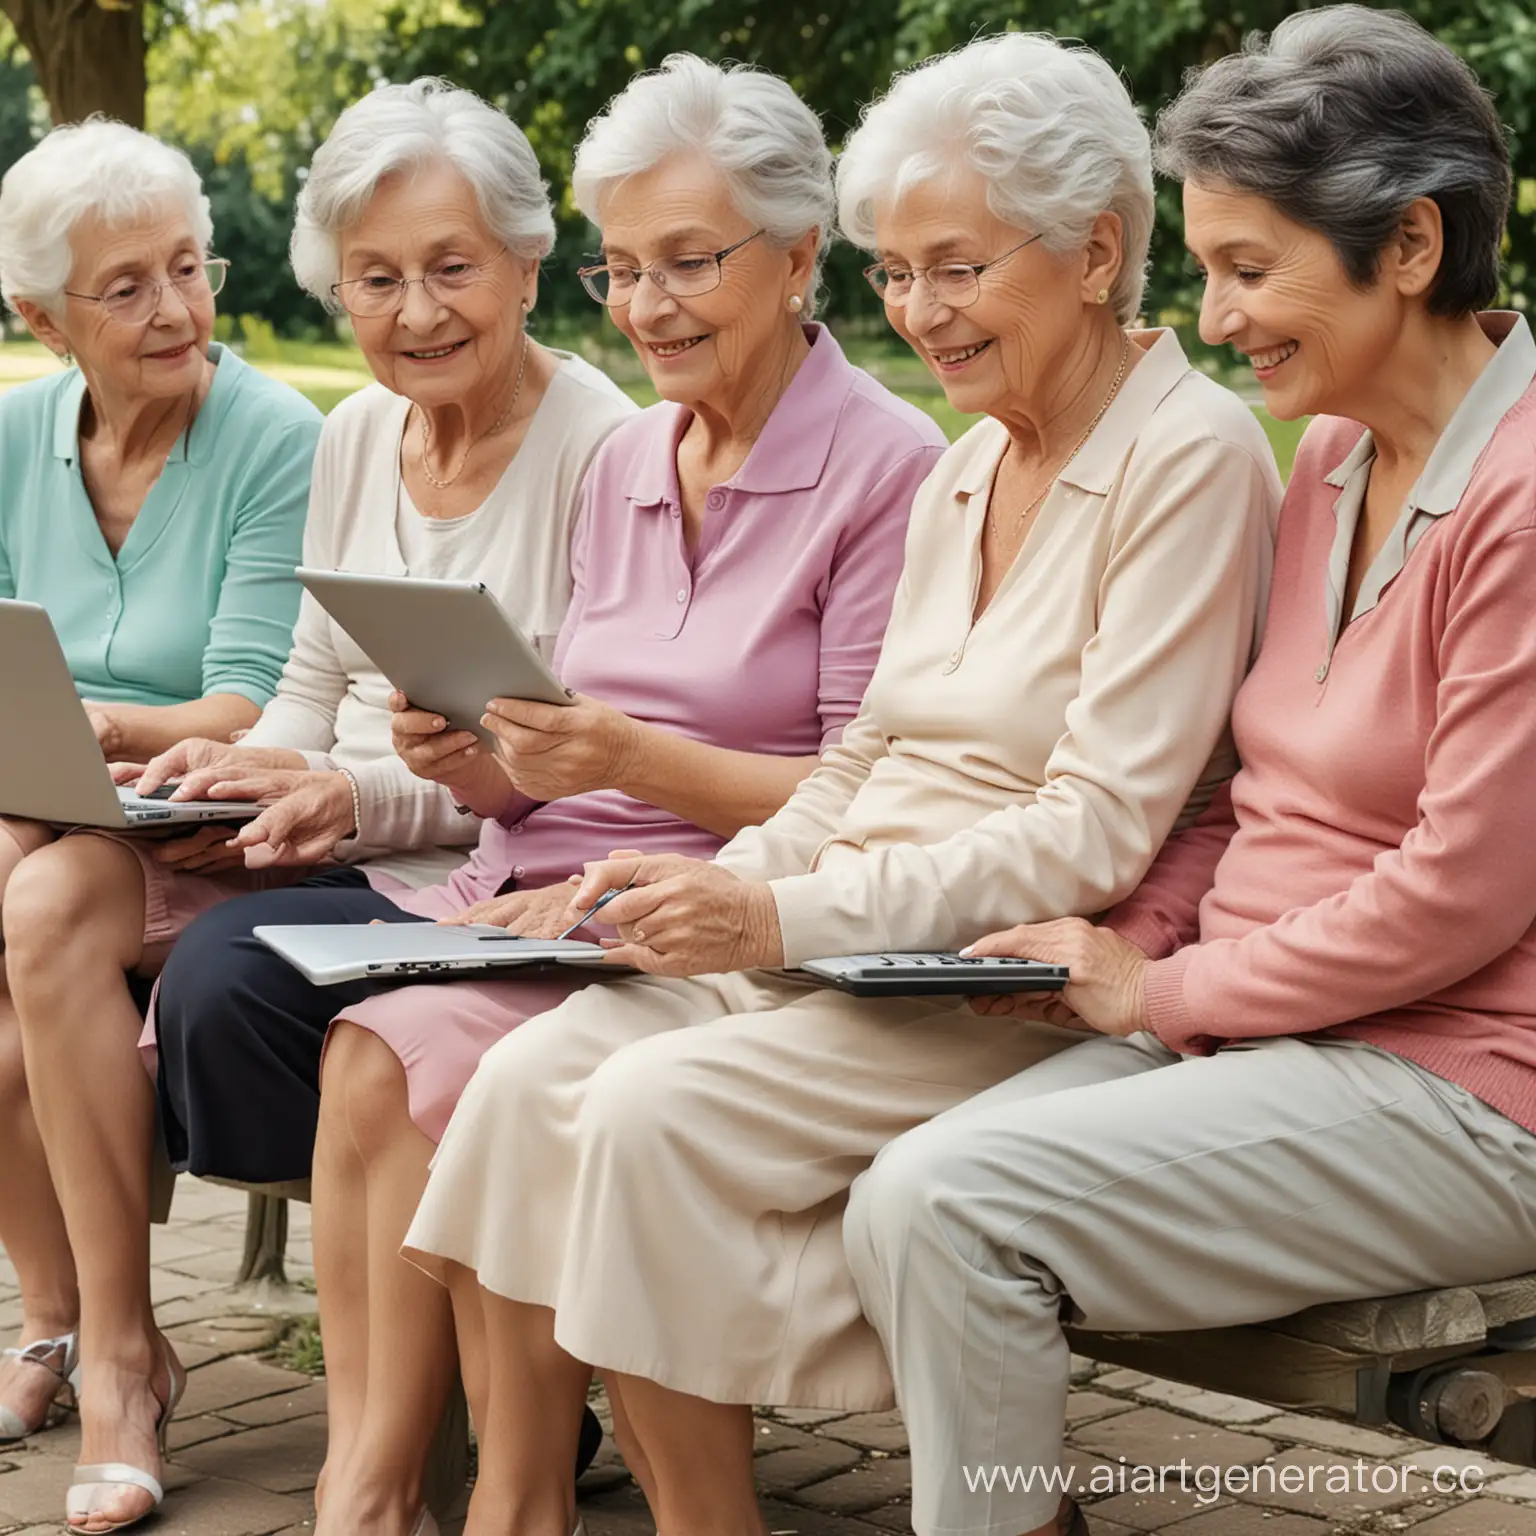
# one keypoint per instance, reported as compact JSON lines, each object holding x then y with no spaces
{"x":88,"y":55}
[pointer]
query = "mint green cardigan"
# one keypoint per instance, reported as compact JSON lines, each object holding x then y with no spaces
{"x":201,"y":599}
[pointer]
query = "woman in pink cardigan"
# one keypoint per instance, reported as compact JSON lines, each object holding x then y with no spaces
{"x":1309,"y":1065}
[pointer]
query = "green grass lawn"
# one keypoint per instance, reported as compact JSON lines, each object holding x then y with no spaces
{"x":328,"y":373}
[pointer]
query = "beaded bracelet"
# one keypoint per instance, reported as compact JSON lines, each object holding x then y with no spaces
{"x":357,"y":803}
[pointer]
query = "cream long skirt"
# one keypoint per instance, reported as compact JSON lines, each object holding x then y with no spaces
{"x":665,"y":1164}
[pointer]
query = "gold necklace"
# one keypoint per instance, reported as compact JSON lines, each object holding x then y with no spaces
{"x":491,"y":431}
{"x":1098,"y":416}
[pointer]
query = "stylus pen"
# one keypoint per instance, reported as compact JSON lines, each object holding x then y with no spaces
{"x":597,"y":906}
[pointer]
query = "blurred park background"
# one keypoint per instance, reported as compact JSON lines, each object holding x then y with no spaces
{"x":249,"y":88}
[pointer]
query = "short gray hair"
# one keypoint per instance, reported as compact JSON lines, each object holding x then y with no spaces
{"x":1050,"y":127}
{"x":400,"y":127}
{"x":1341,"y":117}
{"x":749,"y":124}
{"x":96,"y":167}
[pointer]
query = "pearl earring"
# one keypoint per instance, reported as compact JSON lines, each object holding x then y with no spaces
{"x":796,"y":303}
{"x":1103,"y":296}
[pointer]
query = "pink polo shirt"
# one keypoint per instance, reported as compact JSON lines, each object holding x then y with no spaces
{"x":1372,"y":872}
{"x":761,"y":639}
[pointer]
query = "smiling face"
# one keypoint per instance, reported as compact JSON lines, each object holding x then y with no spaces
{"x":1277,"y":292}
{"x":433,"y":352}
{"x":1028,"y":315}
{"x":708,"y":347}
{"x":157,"y":358}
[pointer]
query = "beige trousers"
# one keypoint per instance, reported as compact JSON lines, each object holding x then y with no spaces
{"x":1138,"y":1190}
{"x":665,"y":1164}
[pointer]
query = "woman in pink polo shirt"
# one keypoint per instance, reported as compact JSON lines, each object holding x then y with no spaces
{"x":735,"y":557}
{"x":1339,"y":959}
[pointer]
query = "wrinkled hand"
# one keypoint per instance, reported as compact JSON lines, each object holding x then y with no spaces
{"x":685,"y":917}
{"x":536,"y":914}
{"x":197,"y":752}
{"x":307,"y":814}
{"x":1108,"y":982}
{"x":203,"y":852}
{"x":554,"y":751}
{"x":424,"y":743}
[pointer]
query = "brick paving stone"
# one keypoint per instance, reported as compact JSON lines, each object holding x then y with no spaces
{"x":1220,"y":1406}
{"x":1122,"y":1381}
{"x":213,"y":1507}
{"x":189,"y":1432}
{"x":230,"y":1335}
{"x":1455,"y":1459}
{"x":807,"y":1417}
{"x":225,"y":1383}
{"x":1241,"y":1520}
{"x":798,"y":1466}
{"x":873,"y":1432}
{"x":1083,"y":1406}
{"x":861,"y":1488}
{"x":780,"y":1437}
{"x":1149,"y":1511}
{"x":1522,"y":1486}
{"x":1315,"y":1468}
{"x":297,"y":1404}
{"x":1480,"y":1517}
{"x":282,"y":1458}
{"x":1153,"y":1437}
{"x":1331,"y":1435}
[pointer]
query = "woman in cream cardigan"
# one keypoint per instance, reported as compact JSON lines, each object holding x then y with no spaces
{"x":650,"y":1179}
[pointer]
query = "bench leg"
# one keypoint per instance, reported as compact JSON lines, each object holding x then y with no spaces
{"x":266,"y":1240}
{"x":448,"y":1460}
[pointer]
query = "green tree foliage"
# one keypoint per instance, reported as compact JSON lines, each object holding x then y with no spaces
{"x":551,"y":65}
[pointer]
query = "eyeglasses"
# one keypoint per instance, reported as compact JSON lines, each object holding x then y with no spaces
{"x":371,"y":297}
{"x":133,"y":300}
{"x":955,"y":284}
{"x":684,"y":276}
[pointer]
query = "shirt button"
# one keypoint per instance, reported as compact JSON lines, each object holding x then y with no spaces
{"x":682,"y":594}
{"x":676,"y":513}
{"x":516,"y":831}
{"x":1321,"y":674}
{"x":517,"y":871}
{"x":715,"y":500}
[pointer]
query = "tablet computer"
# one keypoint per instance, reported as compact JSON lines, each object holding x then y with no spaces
{"x":935,"y":974}
{"x":448,"y":646}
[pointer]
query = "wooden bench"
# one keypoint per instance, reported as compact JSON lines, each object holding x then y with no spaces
{"x":1454,"y":1366}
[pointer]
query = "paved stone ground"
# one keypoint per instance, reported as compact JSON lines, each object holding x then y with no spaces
{"x":250,"y":1436}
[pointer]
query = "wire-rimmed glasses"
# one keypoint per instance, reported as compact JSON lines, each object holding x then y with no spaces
{"x":132,"y":300}
{"x":376,"y":295}
{"x":955,"y":284}
{"x":684,"y":276}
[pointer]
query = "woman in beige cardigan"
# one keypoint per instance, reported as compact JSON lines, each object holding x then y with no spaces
{"x":650,"y":1179}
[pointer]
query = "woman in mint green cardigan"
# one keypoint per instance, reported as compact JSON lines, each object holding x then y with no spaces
{"x":152,"y":499}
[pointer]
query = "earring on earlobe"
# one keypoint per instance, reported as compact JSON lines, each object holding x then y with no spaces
{"x":796,"y":303}
{"x":1103,"y":297}
{"x":67,"y":358}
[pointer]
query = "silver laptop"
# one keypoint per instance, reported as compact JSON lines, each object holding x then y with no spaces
{"x":51,"y":768}
{"x":327,"y":955}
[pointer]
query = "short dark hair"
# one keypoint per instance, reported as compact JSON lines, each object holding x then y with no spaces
{"x":1341,"y":117}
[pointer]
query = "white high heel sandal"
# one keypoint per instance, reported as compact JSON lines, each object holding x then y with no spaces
{"x":98,"y":1484}
{"x":67,"y":1394}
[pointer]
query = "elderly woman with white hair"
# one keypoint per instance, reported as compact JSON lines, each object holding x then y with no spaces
{"x":426,"y":218}
{"x":152,"y":501}
{"x":1311,"y":1072}
{"x":735,"y":559}
{"x":650,"y":1179}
